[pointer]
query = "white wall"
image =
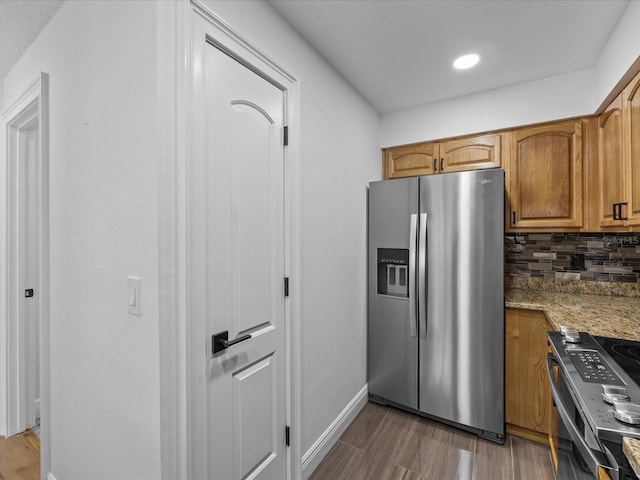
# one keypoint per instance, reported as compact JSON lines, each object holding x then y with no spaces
{"x":105,"y":399}
{"x":620,"y":52}
{"x":571,"y":95}
{"x":339,"y":135}
{"x":101,"y":59}
{"x":552,"y":98}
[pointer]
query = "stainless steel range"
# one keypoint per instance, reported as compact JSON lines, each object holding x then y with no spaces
{"x":597,"y":394}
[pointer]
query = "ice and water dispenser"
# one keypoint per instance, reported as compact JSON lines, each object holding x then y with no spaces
{"x":393,"y":272}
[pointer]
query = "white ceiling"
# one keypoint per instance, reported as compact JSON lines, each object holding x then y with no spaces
{"x":21,"y":21}
{"x":398,"y":54}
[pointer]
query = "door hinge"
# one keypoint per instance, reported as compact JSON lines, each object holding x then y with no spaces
{"x":286,"y":286}
{"x":28,"y":293}
{"x":287,"y":439}
{"x":285,"y":140}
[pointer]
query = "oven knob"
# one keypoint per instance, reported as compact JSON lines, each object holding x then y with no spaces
{"x":564,"y":328}
{"x":572,"y":336}
{"x":613,"y":393}
{"x":627,"y":412}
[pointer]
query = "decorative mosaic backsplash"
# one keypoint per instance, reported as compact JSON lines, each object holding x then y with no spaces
{"x":571,"y":257}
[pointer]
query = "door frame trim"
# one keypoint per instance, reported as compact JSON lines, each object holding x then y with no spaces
{"x":178,"y":376}
{"x":12,"y":342}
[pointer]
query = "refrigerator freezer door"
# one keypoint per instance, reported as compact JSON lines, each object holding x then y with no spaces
{"x":462,"y":351}
{"x":392,"y":325}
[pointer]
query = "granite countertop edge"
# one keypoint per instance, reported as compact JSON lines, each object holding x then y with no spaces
{"x":631,"y":449}
{"x":607,"y":316}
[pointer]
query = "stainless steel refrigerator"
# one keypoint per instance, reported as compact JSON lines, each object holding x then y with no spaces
{"x":436,"y":297}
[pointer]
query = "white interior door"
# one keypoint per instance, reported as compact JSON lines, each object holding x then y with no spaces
{"x":28,"y":269}
{"x":239,"y":266}
{"x":24,"y":222}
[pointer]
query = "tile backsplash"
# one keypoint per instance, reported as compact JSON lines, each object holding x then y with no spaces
{"x":589,"y":257}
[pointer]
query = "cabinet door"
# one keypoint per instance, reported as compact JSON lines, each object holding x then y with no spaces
{"x":610,"y":161}
{"x":546,"y":176}
{"x":527,"y":392}
{"x":632,"y":176}
{"x":471,"y":153}
{"x":410,"y":160}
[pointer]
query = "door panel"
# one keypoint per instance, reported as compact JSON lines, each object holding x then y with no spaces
{"x":632,"y":107}
{"x":471,"y":153}
{"x":392,"y":348}
{"x":610,"y":161}
{"x":242,"y":187}
{"x":253,"y":258}
{"x":462,"y":353}
{"x":546,"y":176}
{"x":256,"y":442}
{"x":411,"y":160}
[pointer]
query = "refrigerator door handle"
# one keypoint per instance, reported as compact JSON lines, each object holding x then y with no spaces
{"x":422,"y":276}
{"x":413,"y":320}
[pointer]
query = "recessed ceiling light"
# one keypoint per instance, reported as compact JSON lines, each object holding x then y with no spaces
{"x":466,"y":61}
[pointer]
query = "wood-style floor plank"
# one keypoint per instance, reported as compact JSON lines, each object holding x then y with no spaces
{"x":343,"y":462}
{"x":401,"y":473}
{"x":385,"y":443}
{"x":447,"y":453}
{"x":492,"y":461}
{"x":20,"y":457}
{"x":359,"y":433}
{"x":531,"y":460}
{"x":387,"y":446}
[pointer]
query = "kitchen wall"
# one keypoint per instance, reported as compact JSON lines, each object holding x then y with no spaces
{"x":104,"y":102}
{"x":620,"y":52}
{"x":105,"y":401}
{"x":531,"y":102}
{"x":574,"y":94}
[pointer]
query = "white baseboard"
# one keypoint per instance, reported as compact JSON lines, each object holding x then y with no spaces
{"x":312,"y":458}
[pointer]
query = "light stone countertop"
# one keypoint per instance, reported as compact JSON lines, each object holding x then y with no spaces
{"x":631,"y":448}
{"x":602,"y":315}
{"x":607,"y":316}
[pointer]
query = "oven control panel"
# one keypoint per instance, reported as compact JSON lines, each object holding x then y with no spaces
{"x":592,"y":368}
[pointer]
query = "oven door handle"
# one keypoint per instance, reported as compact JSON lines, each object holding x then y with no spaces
{"x":592,"y":458}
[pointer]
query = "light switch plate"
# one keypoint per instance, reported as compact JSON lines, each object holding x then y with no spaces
{"x":134,"y":295}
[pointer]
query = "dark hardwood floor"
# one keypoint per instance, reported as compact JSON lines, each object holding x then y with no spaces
{"x":384,"y":443}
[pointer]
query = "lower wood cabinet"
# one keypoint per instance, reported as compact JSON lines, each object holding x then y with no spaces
{"x":527,"y":393}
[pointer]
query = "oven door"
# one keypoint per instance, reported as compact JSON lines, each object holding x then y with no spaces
{"x":576,"y":459}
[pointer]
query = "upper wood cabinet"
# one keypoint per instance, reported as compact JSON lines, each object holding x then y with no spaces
{"x":618,"y":190}
{"x":410,"y":160}
{"x":631,"y":111}
{"x":545,"y":177}
{"x":610,"y":162}
{"x":472,"y":153}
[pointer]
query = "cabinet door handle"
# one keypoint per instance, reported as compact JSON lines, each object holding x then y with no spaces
{"x":435,"y":165}
{"x":617,"y":211}
{"x":620,"y":217}
{"x":513,"y":216}
{"x":441,"y":164}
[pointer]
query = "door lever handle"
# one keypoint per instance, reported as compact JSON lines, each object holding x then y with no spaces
{"x":220,"y":341}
